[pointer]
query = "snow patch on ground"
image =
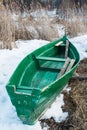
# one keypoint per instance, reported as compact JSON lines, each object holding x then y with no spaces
{"x":80,"y":43}
{"x":55,"y":111}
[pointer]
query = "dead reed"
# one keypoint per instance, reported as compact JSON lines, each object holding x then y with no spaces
{"x":39,"y":27}
{"x":75,"y":22}
{"x":36,"y":28}
{"x":7,"y":30}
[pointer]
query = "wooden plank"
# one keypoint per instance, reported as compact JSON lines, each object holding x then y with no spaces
{"x":67,"y":48}
{"x":50,"y":59}
{"x":59,"y":43}
{"x":70,"y":65}
{"x":64,"y":68}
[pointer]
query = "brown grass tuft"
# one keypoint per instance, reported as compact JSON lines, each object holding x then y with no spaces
{"x":7,"y":30}
{"x":76,"y":26}
{"x":40,"y":28}
{"x":75,"y":22}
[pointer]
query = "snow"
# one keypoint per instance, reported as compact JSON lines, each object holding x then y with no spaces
{"x":80,"y":43}
{"x":9,"y":59}
{"x":56,"y":111}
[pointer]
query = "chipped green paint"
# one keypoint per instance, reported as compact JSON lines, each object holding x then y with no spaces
{"x":34,"y":85}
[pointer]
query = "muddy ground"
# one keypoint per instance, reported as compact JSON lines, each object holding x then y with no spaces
{"x":75,"y":104}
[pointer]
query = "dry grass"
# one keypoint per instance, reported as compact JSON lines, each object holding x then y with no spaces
{"x":77,"y":25}
{"x":7,"y":29}
{"x":79,"y":96}
{"x":46,"y":29}
{"x":75,"y":22}
{"x":25,"y":28}
{"x":42,"y":27}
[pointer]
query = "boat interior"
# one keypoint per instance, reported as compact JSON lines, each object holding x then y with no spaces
{"x":45,"y":68}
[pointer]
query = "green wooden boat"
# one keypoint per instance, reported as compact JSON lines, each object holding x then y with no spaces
{"x":40,"y":77}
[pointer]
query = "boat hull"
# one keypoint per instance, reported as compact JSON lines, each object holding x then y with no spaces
{"x":34,"y":85}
